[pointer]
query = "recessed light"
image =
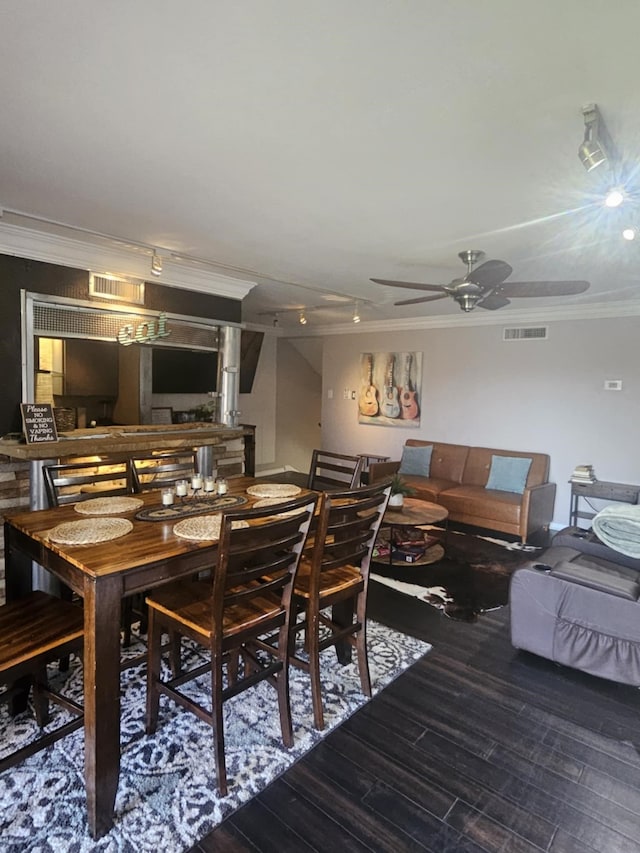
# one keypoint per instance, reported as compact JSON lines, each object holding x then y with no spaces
{"x":629,"y":233}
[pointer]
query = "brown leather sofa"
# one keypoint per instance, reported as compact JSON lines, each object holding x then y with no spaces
{"x":457,"y":480}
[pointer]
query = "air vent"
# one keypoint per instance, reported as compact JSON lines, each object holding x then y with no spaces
{"x":105,"y":286}
{"x":525,"y":333}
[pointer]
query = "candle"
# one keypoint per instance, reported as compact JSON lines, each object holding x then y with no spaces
{"x":181,"y":488}
{"x":196,"y":482}
{"x":209,"y":484}
{"x":167,"y":497}
{"x":221,"y":486}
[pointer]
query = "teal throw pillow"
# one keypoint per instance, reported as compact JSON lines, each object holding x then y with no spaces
{"x":509,"y":473}
{"x":416,"y":460}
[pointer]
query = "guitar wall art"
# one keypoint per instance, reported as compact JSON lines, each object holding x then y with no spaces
{"x":390,"y":389}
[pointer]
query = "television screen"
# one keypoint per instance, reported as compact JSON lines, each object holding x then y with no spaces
{"x":182,"y":371}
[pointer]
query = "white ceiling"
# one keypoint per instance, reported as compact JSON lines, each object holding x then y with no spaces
{"x":319,"y":144}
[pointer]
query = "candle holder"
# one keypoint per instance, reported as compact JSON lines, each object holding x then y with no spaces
{"x":196,"y":484}
{"x":167,"y":497}
{"x":182,"y":489}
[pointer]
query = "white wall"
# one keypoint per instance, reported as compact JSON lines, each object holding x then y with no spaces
{"x":259,"y":407}
{"x":284,"y":405}
{"x":544,"y":396}
{"x":299,"y":408}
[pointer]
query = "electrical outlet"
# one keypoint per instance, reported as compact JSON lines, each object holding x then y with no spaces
{"x":613,"y":384}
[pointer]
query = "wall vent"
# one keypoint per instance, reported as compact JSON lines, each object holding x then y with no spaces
{"x":525,"y":333}
{"x":105,"y":286}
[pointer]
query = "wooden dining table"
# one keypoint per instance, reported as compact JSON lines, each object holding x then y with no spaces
{"x":102,"y":575}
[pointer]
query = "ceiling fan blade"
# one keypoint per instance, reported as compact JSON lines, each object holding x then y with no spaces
{"x":494,"y":301}
{"x":412,"y":285}
{"x":543,"y":288}
{"x":490,"y":273}
{"x":421,"y":299}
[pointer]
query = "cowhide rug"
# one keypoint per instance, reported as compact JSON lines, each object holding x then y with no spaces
{"x":472,"y":578}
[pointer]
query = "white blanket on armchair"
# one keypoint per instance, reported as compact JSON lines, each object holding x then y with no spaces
{"x":619,"y":528}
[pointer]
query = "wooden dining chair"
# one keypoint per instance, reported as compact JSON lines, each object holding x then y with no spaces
{"x":330,"y":471}
{"x":241,"y":615}
{"x":35,"y":630}
{"x":335,"y":573}
{"x":73,"y":482}
{"x":70,"y":482}
{"x":158,"y":470}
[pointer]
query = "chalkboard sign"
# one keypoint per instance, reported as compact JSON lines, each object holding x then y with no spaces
{"x":38,"y":421}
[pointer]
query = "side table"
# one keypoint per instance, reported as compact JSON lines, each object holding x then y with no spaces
{"x":600,"y":490}
{"x":415,"y":513}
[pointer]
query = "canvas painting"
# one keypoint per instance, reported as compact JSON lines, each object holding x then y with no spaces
{"x":390,"y":389}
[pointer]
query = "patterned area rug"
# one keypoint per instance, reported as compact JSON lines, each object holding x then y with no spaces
{"x":166,"y":798}
{"x":472,"y":578}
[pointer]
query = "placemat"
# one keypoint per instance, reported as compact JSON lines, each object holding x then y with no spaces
{"x":274,"y":490}
{"x":104,"y":506}
{"x":203,"y":527}
{"x":267,"y":502}
{"x":190,"y":507}
{"x":89,"y":531}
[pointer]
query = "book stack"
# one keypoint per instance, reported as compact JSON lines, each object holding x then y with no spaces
{"x":583,"y":474}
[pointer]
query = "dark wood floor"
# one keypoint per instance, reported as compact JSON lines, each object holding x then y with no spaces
{"x":477,"y":747}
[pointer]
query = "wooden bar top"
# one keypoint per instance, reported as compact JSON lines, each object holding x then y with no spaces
{"x":123,"y":439}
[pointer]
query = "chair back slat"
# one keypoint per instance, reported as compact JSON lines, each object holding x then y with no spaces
{"x":159,"y":470}
{"x":333,"y":471}
{"x":260,"y":560}
{"x":72,"y":482}
{"x":347,"y":528}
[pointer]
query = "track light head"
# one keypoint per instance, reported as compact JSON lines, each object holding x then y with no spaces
{"x":596,"y":147}
{"x":356,"y":314}
{"x":156,"y":264}
{"x":302,"y":318}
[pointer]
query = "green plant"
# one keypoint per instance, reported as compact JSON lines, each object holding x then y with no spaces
{"x":205,"y":411}
{"x":400,"y":487}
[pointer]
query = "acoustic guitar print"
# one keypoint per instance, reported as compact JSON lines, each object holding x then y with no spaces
{"x":368,"y":403}
{"x":390,"y":407}
{"x":408,"y":404}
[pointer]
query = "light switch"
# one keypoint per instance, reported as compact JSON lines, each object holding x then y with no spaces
{"x":613,"y":384}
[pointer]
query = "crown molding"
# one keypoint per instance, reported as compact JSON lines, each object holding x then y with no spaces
{"x":590,"y":311}
{"x":130,"y":263}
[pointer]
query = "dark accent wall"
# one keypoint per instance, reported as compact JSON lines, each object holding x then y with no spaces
{"x":18,"y":274}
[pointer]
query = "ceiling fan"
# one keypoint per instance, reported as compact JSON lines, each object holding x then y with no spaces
{"x":486,"y":285}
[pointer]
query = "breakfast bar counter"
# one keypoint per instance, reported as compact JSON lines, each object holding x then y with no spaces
{"x":124,"y":439}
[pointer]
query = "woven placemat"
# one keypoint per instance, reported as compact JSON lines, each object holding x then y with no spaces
{"x":203,"y":527}
{"x":104,"y":506}
{"x":267,"y":502}
{"x":89,"y":531}
{"x":274,"y":490}
{"x":189,"y":507}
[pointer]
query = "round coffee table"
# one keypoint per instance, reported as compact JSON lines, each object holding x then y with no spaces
{"x":415,"y":513}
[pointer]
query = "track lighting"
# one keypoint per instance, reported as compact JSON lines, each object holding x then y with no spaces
{"x":156,"y":264}
{"x":302,"y":318}
{"x":356,"y":314}
{"x":593,"y":149}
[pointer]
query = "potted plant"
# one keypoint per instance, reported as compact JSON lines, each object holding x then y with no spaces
{"x":399,"y":490}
